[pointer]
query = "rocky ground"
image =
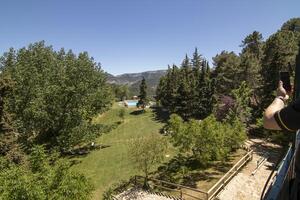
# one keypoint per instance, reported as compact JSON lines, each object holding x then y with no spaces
{"x":246,"y":185}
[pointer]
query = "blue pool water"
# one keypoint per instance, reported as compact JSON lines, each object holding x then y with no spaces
{"x":132,"y":102}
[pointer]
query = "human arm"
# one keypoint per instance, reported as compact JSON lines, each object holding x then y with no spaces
{"x":269,"y":120}
{"x":280,"y":117}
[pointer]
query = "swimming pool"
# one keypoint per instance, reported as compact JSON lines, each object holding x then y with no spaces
{"x":131,"y":102}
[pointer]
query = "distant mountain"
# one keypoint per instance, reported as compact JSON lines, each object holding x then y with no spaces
{"x":133,"y":80}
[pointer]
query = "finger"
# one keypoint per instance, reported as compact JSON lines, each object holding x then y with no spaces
{"x":286,"y":97}
{"x":280,"y":84}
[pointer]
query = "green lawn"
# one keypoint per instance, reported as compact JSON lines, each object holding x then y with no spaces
{"x":109,"y":165}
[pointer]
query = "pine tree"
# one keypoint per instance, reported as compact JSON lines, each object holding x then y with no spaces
{"x":226,"y":72}
{"x":291,"y":25}
{"x":253,"y":44}
{"x":251,"y":59}
{"x":196,"y":63}
{"x":143,"y":100}
{"x":280,"y":52}
{"x":187,"y":91}
{"x":183,"y":107}
{"x":204,"y":92}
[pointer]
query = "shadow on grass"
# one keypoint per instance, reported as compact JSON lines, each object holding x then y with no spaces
{"x":83,"y":151}
{"x":188,"y":171}
{"x":137,"y":112}
{"x":161,"y":114}
{"x":183,"y":170}
{"x":75,"y":162}
{"x":223,"y":166}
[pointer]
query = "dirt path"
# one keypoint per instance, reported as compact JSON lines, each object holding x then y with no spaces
{"x":245,"y":185}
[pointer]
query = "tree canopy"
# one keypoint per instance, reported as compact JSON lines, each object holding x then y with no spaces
{"x":55,"y":94}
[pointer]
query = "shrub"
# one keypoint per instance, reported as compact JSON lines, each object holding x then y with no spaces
{"x":41,"y":180}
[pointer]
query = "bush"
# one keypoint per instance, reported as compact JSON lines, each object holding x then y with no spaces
{"x":122,"y":113}
{"x":206,"y":140}
{"x":41,"y":180}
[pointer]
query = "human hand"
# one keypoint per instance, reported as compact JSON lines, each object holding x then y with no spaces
{"x":281,"y":92}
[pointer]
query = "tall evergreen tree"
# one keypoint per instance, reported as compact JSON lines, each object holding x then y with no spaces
{"x":253,"y":44}
{"x":204,"y":92}
{"x":143,"y":100}
{"x":251,"y":56}
{"x":292,"y":25}
{"x":226,"y":72}
{"x":187,"y":91}
{"x":280,"y":52}
{"x":183,"y":100}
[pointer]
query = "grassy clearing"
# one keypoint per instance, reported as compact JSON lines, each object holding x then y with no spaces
{"x":112,"y":164}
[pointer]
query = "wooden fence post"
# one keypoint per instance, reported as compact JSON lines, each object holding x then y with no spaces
{"x":180,"y":193}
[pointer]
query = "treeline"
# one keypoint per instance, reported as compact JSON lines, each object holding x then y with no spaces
{"x":214,"y":137}
{"x":195,"y":90}
{"x":188,"y":90}
{"x":213,"y":108}
{"x":47,"y":102}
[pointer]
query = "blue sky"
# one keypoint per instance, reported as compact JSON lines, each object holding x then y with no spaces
{"x":140,"y":35}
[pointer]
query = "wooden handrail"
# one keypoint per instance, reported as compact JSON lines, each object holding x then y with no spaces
{"x":214,"y":189}
{"x":174,"y":184}
{"x":223,"y":181}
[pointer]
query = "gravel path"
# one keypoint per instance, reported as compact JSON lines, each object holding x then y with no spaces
{"x":245,"y":186}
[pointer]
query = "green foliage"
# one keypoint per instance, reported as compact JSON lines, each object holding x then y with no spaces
{"x":241,"y":109}
{"x":280,"y":53}
{"x":7,"y":137}
{"x":6,"y":85}
{"x":54,"y":93}
{"x":181,"y":137}
{"x":143,"y":99}
{"x":226,"y":72}
{"x":42,"y":180}
{"x":167,"y":88}
{"x":253,"y":44}
{"x":188,"y":90}
{"x":38,"y":160}
{"x":122,"y":113}
{"x":145,"y":152}
{"x":206,"y":140}
{"x":251,"y":56}
{"x":121,"y":92}
{"x":292,"y":24}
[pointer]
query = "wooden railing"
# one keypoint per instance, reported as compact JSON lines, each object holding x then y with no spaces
{"x":177,"y":191}
{"x":214,"y":190}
